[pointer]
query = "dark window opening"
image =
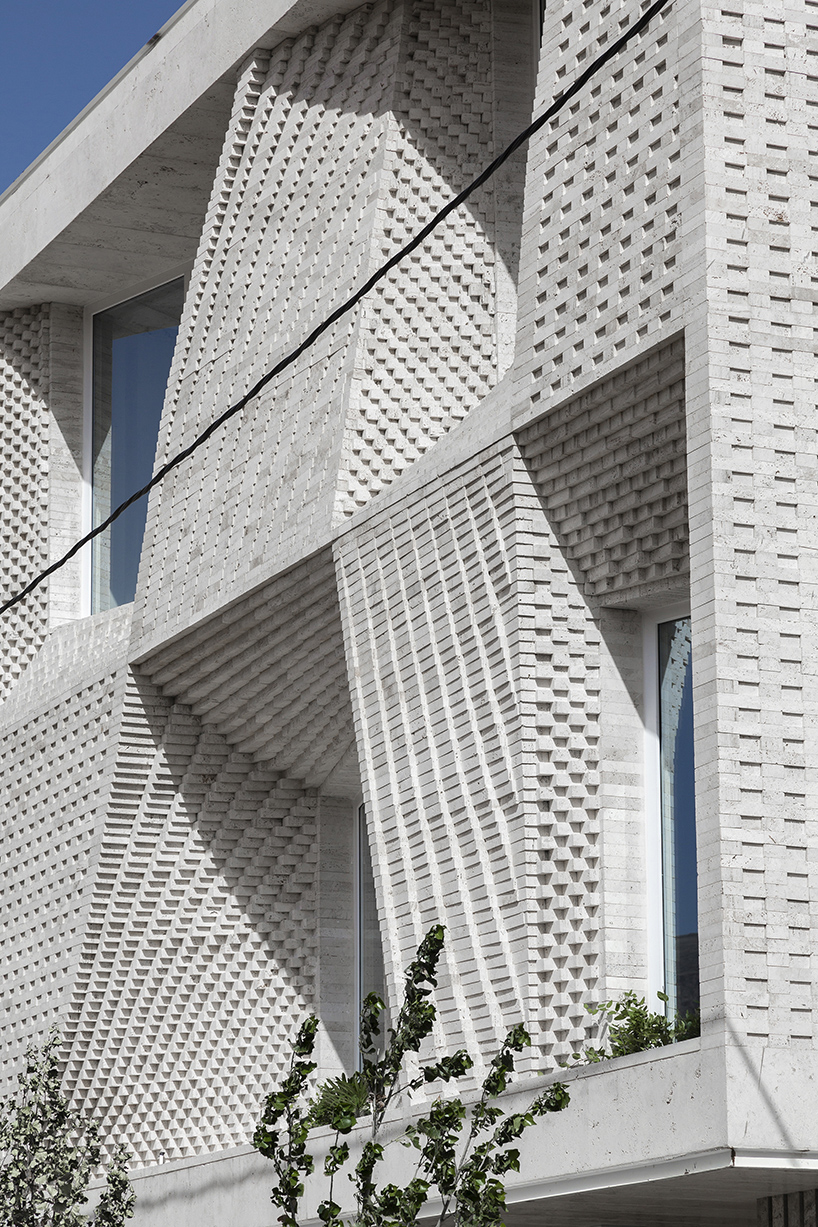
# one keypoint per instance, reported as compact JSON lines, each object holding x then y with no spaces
{"x":133,"y":350}
{"x":679,"y":879}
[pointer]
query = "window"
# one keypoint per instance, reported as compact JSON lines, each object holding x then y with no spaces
{"x":678,"y":816}
{"x":370,"y":977}
{"x":133,"y":346}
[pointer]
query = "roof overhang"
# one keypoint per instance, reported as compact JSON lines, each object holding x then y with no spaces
{"x":121,"y":193}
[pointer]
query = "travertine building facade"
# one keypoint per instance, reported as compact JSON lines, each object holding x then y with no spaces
{"x":461,"y":596}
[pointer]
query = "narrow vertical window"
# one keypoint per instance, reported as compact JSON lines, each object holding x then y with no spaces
{"x":370,"y":975}
{"x":133,"y":349}
{"x":681,"y":924}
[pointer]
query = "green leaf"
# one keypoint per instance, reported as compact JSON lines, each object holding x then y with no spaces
{"x":340,"y":1101}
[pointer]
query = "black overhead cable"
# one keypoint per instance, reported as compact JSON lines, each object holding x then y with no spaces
{"x":555,"y":107}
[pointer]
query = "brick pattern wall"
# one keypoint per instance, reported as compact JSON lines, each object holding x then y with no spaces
{"x":340,"y":141}
{"x":611,"y":468}
{"x":65,"y":458}
{"x":159,"y":899}
{"x":474,"y":661}
{"x":24,"y":439}
{"x":603,"y":497}
{"x":752,"y":407}
{"x":58,"y":730}
{"x":270,"y":674}
{"x":559,"y":670}
{"x":428,"y":334}
{"x":428,"y":597}
{"x":601,"y":239}
{"x":199,"y":951}
{"x":266,"y":271}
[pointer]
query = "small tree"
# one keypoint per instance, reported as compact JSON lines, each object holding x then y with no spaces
{"x":462,"y":1152}
{"x":48,"y":1153}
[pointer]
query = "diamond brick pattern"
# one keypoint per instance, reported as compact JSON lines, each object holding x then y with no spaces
{"x":312,"y":104}
{"x":54,"y":760}
{"x":200,"y":944}
{"x":159,"y":898}
{"x":24,"y":440}
{"x":429,"y":333}
{"x":338,"y":140}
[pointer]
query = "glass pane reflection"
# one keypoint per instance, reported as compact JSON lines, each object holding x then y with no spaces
{"x":133,"y":349}
{"x":678,"y":817}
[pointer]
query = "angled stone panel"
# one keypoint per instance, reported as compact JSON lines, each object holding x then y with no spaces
{"x":269,"y":674}
{"x":611,"y":469}
{"x":475,"y":661}
{"x":428,"y":595}
{"x":58,"y":739}
{"x":560,"y":672}
{"x":340,"y":141}
{"x":200,"y":948}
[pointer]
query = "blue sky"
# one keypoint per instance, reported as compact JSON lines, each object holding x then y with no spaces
{"x":55,"y":55}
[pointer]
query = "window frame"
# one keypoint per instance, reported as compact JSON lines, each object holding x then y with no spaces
{"x":655,"y":903}
{"x":359,"y":842}
{"x":133,"y":290}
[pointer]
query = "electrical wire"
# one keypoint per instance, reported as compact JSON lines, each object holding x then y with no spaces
{"x":556,"y":106}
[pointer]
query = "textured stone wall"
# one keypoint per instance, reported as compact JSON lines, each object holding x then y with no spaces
{"x":57,"y":731}
{"x":41,"y":441}
{"x":601,"y":253}
{"x":752,"y":469}
{"x":611,"y":467}
{"x":25,"y":446}
{"x":65,"y":461}
{"x":342,"y":142}
{"x":788,"y":1210}
{"x":428,"y":598}
{"x":199,"y":952}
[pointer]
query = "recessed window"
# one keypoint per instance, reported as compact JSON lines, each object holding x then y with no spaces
{"x":370,"y":970}
{"x":678,"y":816}
{"x":133,"y":349}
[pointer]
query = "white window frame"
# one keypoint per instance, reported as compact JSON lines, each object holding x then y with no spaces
{"x":655,"y":918}
{"x":92,"y":309}
{"x":357,"y":928}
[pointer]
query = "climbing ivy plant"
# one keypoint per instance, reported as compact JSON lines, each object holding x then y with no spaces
{"x":49,"y":1151}
{"x":462,"y":1153}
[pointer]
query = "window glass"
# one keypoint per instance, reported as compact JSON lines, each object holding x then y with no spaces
{"x":371,"y":977}
{"x":133,"y":349}
{"x":678,"y":817}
